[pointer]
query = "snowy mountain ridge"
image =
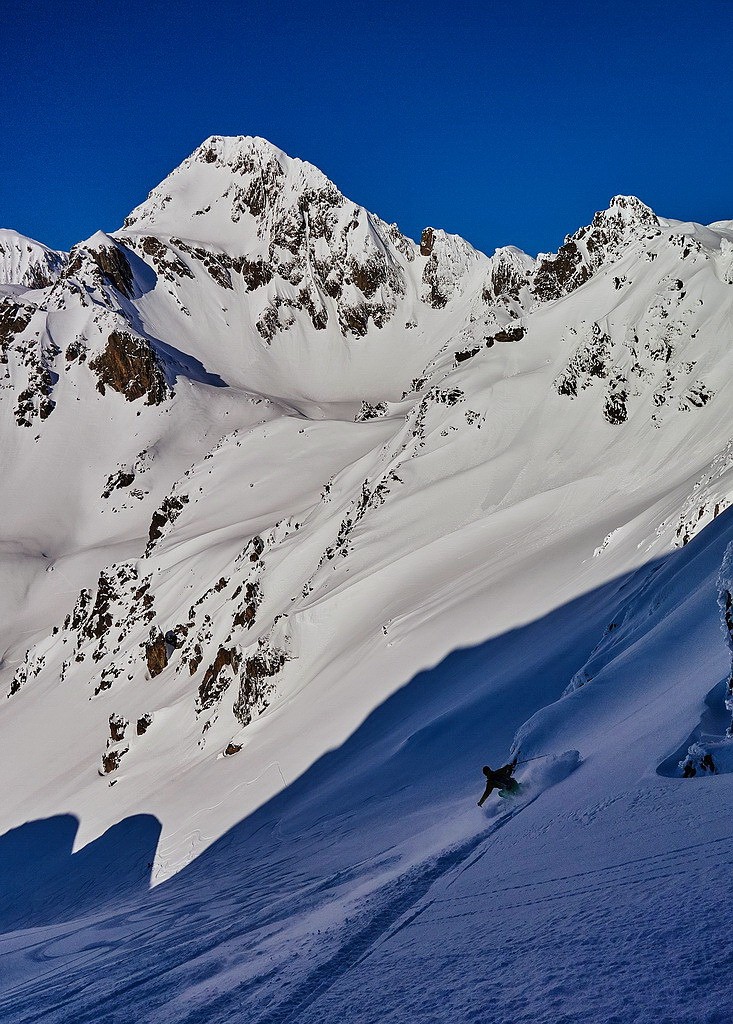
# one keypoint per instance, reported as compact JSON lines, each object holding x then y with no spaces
{"x":27,"y":264}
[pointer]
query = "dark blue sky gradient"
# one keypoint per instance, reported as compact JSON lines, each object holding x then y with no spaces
{"x":507,"y":122}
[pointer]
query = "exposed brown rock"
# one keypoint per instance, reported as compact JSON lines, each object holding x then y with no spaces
{"x":143,"y":724}
{"x":255,"y":547}
{"x":246,"y":614}
{"x":100,"y":617}
{"x":591,"y":359}
{"x":254,"y":273}
{"x":129,"y":366}
{"x":111,"y":263}
{"x":614,"y":407}
{"x":269,"y":323}
{"x":35,"y":399}
{"x":509,"y":334}
{"x":122,"y":478}
{"x":368,"y":276}
{"x":165,"y":261}
{"x":431,"y":279}
{"x":215,"y":681}
{"x":232,"y":748}
{"x":156,"y":653}
{"x":603,"y":240}
{"x":75,"y":350}
{"x":355,"y":320}
{"x":559,"y":274}
{"x":255,"y":685}
{"x":371,"y":411}
{"x":168,"y":512}
{"x":461,"y":357}
{"x":427,"y":241}
{"x":506,"y":280}
{"x":216,"y":264}
{"x":195,"y":660}
{"x":117,"y":726}
{"x":317,"y":312}
{"x":14,"y":318}
{"x":111,"y":761}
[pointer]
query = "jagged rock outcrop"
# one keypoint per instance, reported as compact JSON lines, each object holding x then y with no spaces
{"x":156,"y":652}
{"x":119,"y":480}
{"x":29,"y":359}
{"x":15,"y":317}
{"x":627,"y":220}
{"x":450,"y":260}
{"x":111,"y":760}
{"x":257,"y":681}
{"x":168,"y":512}
{"x":143,"y":724}
{"x":218,"y":677}
{"x":130,"y":367}
{"x":117,"y":727}
{"x":101,"y":263}
{"x":510,"y":272}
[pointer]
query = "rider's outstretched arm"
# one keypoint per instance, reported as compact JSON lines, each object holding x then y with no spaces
{"x":489,"y":789}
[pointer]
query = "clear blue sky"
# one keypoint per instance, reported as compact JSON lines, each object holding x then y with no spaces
{"x":507,"y":122}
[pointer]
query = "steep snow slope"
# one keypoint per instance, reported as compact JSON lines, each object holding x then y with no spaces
{"x":373,"y":888}
{"x":265,"y":459}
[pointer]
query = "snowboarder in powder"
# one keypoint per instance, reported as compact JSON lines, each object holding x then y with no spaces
{"x":501,"y":779}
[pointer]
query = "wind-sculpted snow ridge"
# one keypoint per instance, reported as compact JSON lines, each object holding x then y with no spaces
{"x":266,"y":459}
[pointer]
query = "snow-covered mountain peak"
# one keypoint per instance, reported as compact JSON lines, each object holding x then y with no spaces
{"x":283,"y":228}
{"x":450,"y":262}
{"x":233,"y":150}
{"x":626,"y":221}
{"x":510,"y":271}
{"x":629,"y":212}
{"x":26,"y":263}
{"x":229,"y":189}
{"x":246,"y":155}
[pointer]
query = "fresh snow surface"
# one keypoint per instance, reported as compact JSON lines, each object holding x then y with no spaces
{"x":303,"y":523}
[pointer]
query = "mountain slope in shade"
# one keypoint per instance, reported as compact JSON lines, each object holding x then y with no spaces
{"x":265,"y":460}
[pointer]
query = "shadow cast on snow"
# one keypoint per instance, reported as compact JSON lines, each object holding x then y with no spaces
{"x":416,"y":756}
{"x":177,"y":363}
{"x":42,"y":882}
{"x":440,"y":726}
{"x":711,"y":728}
